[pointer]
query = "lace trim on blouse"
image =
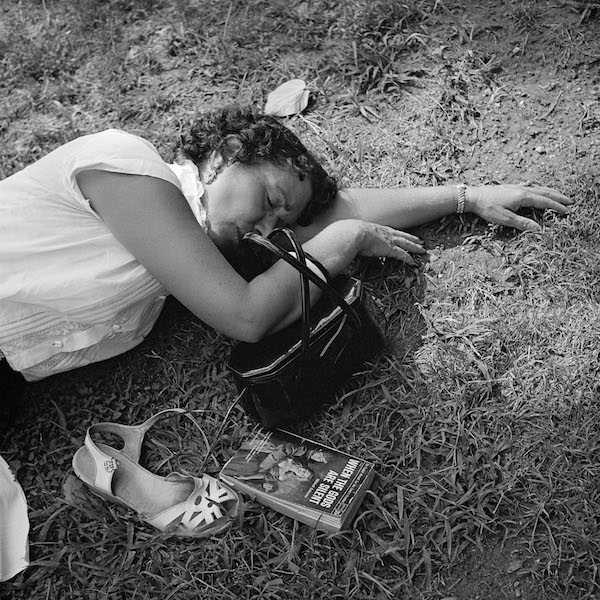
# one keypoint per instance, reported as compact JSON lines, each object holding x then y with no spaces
{"x":37,"y":344}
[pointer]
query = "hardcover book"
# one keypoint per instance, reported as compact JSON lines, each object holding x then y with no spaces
{"x":300,"y":478}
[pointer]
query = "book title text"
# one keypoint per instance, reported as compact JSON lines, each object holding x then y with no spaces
{"x":333,"y":483}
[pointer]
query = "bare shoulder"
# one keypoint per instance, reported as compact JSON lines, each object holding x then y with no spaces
{"x":105,"y":188}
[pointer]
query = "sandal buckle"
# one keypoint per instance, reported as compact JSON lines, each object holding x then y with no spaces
{"x":110,"y":464}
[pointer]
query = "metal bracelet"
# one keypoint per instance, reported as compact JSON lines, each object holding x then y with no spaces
{"x":462,"y":198}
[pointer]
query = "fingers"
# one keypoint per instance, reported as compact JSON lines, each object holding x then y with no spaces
{"x":389,"y":242}
{"x":402,"y":244}
{"x":551,"y":194}
{"x":408,"y":236}
{"x":404,"y":256}
{"x":508,"y":218}
{"x":536,"y":200}
{"x":409,"y":242}
{"x":525,"y":224}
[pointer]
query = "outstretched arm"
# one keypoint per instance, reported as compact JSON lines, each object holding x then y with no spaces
{"x":404,"y":208}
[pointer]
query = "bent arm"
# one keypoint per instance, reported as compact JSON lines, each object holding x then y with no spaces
{"x":152,"y":219}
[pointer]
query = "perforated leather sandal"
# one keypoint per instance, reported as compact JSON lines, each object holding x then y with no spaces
{"x":183,"y":505}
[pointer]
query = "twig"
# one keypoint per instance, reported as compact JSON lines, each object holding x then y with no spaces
{"x":586,"y":112}
{"x":552,"y":107}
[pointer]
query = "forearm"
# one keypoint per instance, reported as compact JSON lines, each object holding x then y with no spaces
{"x":401,"y":208}
{"x":334,"y":247}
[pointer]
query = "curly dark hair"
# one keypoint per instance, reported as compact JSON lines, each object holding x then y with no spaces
{"x":245,"y":135}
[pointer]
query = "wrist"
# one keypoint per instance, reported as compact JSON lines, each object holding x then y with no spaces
{"x":472,"y":198}
{"x":350,"y":235}
{"x":338,"y":244}
{"x":361,"y":237}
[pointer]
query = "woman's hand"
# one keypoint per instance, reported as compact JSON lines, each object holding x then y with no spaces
{"x":499,"y":203}
{"x":383,"y":241}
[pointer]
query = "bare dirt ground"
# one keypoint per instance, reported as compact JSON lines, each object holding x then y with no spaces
{"x":544,"y":115}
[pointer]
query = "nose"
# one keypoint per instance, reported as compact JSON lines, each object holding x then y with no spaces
{"x":266,"y":225}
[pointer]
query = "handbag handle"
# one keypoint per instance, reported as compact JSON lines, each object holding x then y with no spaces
{"x":304,"y":271}
{"x":299,"y":263}
{"x":301,"y":257}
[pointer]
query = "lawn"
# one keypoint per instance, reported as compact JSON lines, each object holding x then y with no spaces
{"x":482,"y":414}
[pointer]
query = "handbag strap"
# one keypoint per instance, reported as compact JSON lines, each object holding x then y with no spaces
{"x":301,"y":257}
{"x":300,"y":266}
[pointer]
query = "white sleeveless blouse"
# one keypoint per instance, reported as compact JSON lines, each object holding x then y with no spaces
{"x":70,"y":293}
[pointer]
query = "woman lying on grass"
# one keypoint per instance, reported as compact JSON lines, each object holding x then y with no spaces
{"x":94,"y":236}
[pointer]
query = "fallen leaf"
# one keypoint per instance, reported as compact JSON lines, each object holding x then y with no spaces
{"x":290,"y":98}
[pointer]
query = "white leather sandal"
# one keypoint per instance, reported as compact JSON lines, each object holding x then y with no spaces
{"x":181,"y":504}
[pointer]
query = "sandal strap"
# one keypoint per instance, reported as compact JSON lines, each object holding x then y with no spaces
{"x":133,"y":438}
{"x":105,"y":464}
{"x":202,"y":507}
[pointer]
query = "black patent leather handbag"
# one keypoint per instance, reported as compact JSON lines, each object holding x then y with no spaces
{"x":291,"y":374}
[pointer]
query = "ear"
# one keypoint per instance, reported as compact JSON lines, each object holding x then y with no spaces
{"x":231,"y":148}
{"x":216,"y":161}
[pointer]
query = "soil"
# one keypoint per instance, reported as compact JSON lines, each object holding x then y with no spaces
{"x":545,"y":115}
{"x":540,"y":123}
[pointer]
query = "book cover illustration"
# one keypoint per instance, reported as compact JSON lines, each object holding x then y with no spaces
{"x":301,"y":478}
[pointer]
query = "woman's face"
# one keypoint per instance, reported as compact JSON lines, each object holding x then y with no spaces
{"x":255,"y":197}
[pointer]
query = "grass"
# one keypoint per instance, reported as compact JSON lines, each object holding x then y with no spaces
{"x":481,"y":417}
